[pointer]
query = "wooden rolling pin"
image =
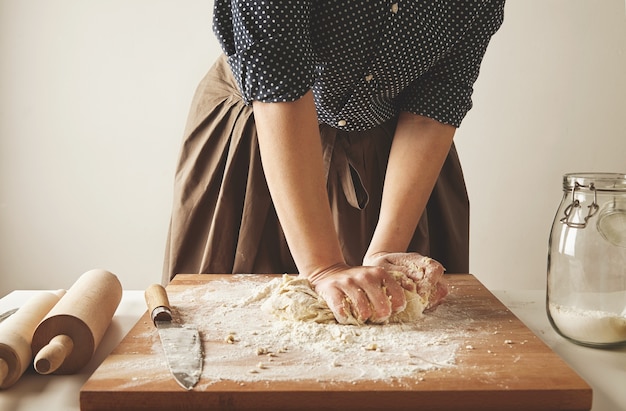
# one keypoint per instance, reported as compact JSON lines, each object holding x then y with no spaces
{"x":67,"y":338}
{"x":16,"y":334}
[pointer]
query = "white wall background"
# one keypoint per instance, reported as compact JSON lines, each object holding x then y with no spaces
{"x":94,"y":97}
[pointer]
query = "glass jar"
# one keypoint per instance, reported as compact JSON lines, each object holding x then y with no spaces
{"x":586,"y":289}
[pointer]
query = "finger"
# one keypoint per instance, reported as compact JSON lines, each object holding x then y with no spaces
{"x":395,"y":294}
{"x":336,"y":301}
{"x":438,"y":294}
{"x":420,"y":267}
{"x":380,"y":305}
{"x":401,"y":275}
{"x":386,"y":297}
{"x":373,"y":302}
{"x":434,"y":269}
{"x":359,"y":303}
{"x":430,"y":266}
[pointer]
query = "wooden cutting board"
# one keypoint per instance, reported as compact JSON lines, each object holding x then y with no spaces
{"x":471,"y":353}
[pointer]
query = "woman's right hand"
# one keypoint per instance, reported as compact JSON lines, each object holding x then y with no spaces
{"x":359,"y":294}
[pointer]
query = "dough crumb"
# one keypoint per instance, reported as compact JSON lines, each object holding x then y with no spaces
{"x":371,"y":347}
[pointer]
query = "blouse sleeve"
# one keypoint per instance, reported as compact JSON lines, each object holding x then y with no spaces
{"x":444,"y":92}
{"x":268,"y":44}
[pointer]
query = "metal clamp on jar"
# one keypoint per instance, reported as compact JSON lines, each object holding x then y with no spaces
{"x":586,"y":290}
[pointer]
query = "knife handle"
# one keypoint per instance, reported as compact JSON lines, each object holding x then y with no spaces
{"x":158,"y":303}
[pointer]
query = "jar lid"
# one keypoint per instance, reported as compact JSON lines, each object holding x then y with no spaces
{"x":610,"y":182}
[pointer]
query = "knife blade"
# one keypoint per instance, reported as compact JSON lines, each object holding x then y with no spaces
{"x":181,"y":344}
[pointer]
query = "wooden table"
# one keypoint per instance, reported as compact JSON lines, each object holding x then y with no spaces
{"x":506,"y":367}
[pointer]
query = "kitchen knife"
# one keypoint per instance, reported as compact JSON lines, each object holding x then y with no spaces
{"x":181,"y":344}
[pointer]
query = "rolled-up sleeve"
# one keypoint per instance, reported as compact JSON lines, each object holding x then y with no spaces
{"x":444,"y":92}
{"x":268,"y":44}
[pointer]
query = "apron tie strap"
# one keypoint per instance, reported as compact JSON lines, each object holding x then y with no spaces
{"x":336,"y":153}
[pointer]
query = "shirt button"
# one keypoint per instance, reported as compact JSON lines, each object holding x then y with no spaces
{"x":342,"y":123}
{"x":394,"y":8}
{"x":369,"y":77}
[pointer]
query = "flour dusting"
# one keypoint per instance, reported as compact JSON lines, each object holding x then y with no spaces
{"x":243,"y":343}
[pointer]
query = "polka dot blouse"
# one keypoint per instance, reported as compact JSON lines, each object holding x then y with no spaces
{"x":365,"y":61}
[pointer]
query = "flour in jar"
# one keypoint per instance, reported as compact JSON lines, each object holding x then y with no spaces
{"x":605,"y":325}
{"x":244,"y":343}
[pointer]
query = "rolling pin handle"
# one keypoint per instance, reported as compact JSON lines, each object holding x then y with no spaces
{"x":4,"y":370}
{"x":52,"y":356}
{"x":158,"y":303}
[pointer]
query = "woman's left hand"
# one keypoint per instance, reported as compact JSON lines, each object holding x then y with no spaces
{"x":426,"y":274}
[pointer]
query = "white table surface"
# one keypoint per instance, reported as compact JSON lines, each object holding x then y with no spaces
{"x":603,"y":369}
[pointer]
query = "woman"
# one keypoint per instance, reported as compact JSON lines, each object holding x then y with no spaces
{"x":322,"y":144}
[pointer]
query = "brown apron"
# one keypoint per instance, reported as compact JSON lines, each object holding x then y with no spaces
{"x":223,"y":218}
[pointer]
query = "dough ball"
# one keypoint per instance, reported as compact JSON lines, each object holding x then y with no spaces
{"x":293,"y":298}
